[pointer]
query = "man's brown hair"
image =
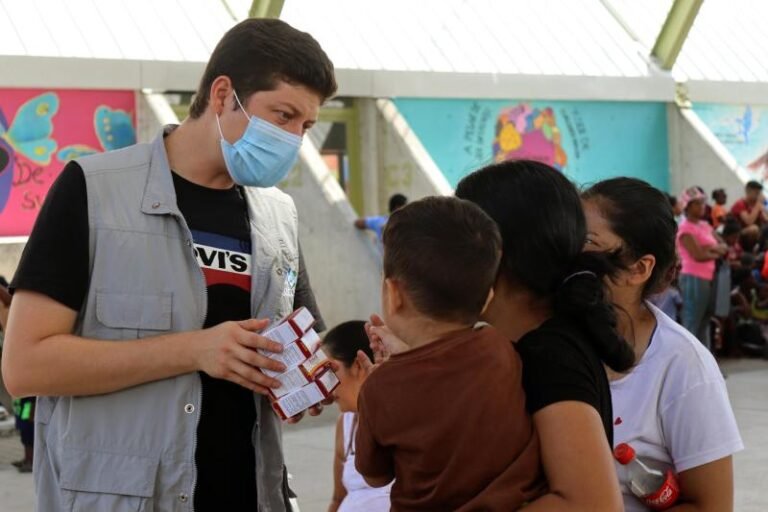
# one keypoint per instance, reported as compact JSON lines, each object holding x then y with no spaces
{"x":445,"y":253}
{"x":258,"y":53}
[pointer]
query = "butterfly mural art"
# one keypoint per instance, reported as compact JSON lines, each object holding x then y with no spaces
{"x":28,"y":133}
{"x":114,"y":129}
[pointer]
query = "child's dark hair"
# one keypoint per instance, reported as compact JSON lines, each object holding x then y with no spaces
{"x":345,"y":340}
{"x":396,"y":202}
{"x":445,"y":252}
{"x":731,"y":227}
{"x":257,"y":53}
{"x":543,"y":233}
{"x":640,"y":215}
{"x":672,"y":200}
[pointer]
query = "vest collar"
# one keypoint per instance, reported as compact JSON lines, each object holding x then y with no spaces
{"x":159,"y":194}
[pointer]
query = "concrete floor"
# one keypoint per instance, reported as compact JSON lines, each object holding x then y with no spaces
{"x":309,"y":450}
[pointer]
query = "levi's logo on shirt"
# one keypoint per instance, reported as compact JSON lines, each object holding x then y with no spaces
{"x":224,"y":260}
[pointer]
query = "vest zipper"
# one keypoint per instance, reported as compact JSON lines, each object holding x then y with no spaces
{"x":200,"y":392}
{"x":201,"y":276}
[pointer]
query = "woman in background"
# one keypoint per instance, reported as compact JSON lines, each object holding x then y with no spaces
{"x":699,"y":249}
{"x":350,"y":492}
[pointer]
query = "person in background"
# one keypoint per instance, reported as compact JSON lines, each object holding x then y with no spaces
{"x":719,"y":211}
{"x":23,"y":408}
{"x":750,"y":212}
{"x":707,"y":217}
{"x":350,"y":491}
{"x":672,"y":407}
{"x":669,"y":301}
{"x":699,"y":249}
{"x":5,"y":303}
{"x":446,"y":417}
{"x":377,"y":223}
{"x":677,"y":209}
{"x":24,"y":411}
{"x":731,"y":236}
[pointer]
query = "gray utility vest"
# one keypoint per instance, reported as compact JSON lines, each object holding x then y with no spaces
{"x":135,"y":449}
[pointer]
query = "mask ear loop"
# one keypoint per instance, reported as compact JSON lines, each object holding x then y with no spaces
{"x":218,"y":116}
{"x":240,"y":104}
{"x":218,"y":122}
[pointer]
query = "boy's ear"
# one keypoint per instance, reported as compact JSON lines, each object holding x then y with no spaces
{"x":393,"y":296}
{"x":488,"y":301}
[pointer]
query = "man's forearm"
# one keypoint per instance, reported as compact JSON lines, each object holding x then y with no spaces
{"x":68,"y":365}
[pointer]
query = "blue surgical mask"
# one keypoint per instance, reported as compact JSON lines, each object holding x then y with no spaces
{"x":263,"y":156}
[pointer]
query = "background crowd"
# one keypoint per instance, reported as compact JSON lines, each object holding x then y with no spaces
{"x":720,"y":288}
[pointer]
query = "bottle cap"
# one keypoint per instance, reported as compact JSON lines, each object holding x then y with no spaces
{"x":624,"y":453}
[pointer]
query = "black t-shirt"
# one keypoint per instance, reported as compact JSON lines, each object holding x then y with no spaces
{"x":560,"y":364}
{"x":55,"y":263}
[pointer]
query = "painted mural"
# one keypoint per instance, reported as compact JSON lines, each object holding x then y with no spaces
{"x":41,"y":130}
{"x":587,"y":140}
{"x":743,"y":130}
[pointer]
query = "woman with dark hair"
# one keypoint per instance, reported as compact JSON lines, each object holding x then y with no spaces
{"x":672,"y":407}
{"x":350,"y":491}
{"x":549,"y":300}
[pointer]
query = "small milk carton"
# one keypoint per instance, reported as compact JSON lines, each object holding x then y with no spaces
{"x":299,"y":401}
{"x":290,"y":381}
{"x":316,"y":362}
{"x":309,"y":378}
{"x":301,"y":320}
{"x":291,"y":356}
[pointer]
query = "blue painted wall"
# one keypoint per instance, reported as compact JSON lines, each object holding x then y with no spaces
{"x":588,"y":140}
{"x":743,"y":130}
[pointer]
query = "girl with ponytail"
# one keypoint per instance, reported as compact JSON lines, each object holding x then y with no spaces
{"x":550,"y":300}
{"x":672,"y":407}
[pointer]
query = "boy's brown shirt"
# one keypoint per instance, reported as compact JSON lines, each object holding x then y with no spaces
{"x":448,"y":421}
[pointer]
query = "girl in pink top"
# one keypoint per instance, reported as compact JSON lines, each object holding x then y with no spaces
{"x":699,"y":249}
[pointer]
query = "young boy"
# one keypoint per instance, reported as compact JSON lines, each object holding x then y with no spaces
{"x":446,"y":418}
{"x":719,"y":211}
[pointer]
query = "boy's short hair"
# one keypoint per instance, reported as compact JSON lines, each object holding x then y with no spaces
{"x":397,"y":201}
{"x":754,"y":185}
{"x":445,"y":252}
{"x":257,"y":53}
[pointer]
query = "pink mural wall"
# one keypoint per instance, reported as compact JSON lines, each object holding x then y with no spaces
{"x":40,"y":130}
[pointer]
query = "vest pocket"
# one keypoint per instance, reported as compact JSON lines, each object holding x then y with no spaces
{"x":144,"y":313}
{"x":93,"y":481}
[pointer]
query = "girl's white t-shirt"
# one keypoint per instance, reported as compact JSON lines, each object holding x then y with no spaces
{"x":673,"y":407}
{"x":360,"y":496}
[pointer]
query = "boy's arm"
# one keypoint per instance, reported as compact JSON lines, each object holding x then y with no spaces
{"x":373,"y":461}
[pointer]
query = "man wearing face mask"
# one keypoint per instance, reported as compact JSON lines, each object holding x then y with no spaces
{"x":144,"y":285}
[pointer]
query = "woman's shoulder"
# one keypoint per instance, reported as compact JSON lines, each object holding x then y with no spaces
{"x":556,"y":340}
{"x":681,"y":356}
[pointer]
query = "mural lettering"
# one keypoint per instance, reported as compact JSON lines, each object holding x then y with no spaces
{"x":40,"y":131}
